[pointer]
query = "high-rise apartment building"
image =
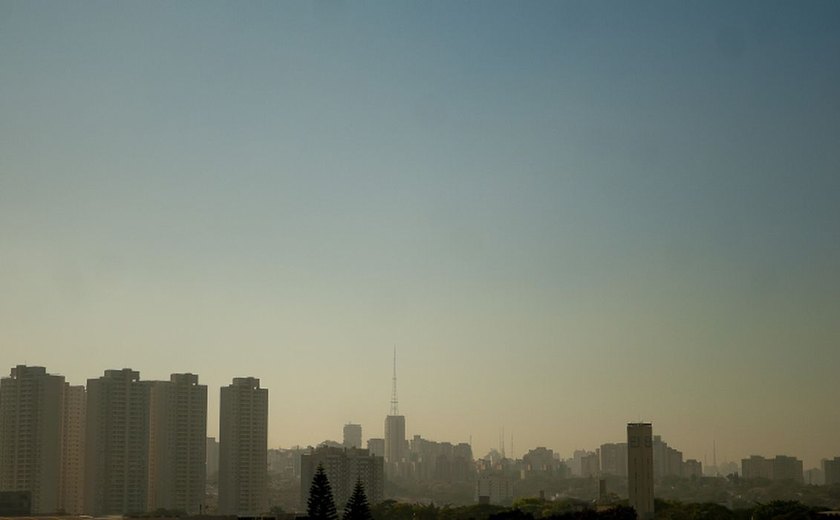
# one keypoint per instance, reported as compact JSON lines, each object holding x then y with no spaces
{"x":177,"y":443}
{"x":31,"y":426}
{"x":73,"y":450}
{"x":614,"y":459}
{"x":243,"y":448}
{"x":831,"y":470}
{"x":212,"y":457}
{"x":779,"y":468}
{"x":343,"y":466}
{"x":376,"y":447}
{"x":117,"y":444}
{"x":667,"y":461}
{"x":352,"y":435}
{"x":640,"y":468}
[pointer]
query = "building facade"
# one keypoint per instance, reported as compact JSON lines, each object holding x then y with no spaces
{"x":31,"y":434}
{"x":73,"y":450}
{"x":395,"y":452}
{"x":243,"y":448}
{"x":831,"y":471}
{"x":613,"y":458}
{"x":352,"y":435}
{"x":343,"y":466}
{"x":177,"y":444}
{"x":117,"y":444}
{"x":640,"y":468}
{"x":779,"y":468}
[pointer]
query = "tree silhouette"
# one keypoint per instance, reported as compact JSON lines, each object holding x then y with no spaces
{"x":357,"y":507}
{"x":321,"y":505}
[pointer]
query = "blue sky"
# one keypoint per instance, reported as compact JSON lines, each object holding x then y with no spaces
{"x":566,"y":215}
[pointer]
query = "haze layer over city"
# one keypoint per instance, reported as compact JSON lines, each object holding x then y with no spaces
{"x":564,"y":216}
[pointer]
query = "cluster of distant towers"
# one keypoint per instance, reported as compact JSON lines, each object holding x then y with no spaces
{"x":122,"y":445}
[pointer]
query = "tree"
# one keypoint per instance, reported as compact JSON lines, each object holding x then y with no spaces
{"x":357,"y":507}
{"x":321,"y":505}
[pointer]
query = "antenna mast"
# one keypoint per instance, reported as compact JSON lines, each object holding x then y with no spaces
{"x":395,"y":409}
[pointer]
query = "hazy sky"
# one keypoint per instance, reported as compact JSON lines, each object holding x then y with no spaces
{"x":565,"y":215}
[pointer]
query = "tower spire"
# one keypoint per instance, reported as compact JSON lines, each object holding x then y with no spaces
{"x":395,"y":408}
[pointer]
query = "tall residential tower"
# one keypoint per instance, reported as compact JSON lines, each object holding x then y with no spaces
{"x":117,"y":444}
{"x":31,"y":426}
{"x":243,"y":448}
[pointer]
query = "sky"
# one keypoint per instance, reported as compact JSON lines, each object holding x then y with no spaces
{"x":565,"y":216}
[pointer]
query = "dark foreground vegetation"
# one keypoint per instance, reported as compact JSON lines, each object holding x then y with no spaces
{"x":533,"y":509}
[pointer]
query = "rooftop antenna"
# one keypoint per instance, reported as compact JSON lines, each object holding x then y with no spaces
{"x":714,"y":457}
{"x":395,"y":408}
{"x":502,"y":442}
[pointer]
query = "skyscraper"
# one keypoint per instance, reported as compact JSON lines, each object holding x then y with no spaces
{"x":640,"y":468}
{"x":73,"y":450}
{"x":243,"y":448}
{"x":31,"y":425}
{"x":394,"y":430}
{"x":352,"y":435}
{"x":117,"y":444}
{"x":178,"y":426}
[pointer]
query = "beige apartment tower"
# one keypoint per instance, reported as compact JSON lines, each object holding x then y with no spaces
{"x":640,"y":468}
{"x":243,"y":448}
{"x":177,"y":443}
{"x":73,"y":448}
{"x":31,"y":426}
{"x":117,"y":444}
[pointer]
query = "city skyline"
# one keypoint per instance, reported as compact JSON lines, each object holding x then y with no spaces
{"x":504,"y":444}
{"x":567,"y":216}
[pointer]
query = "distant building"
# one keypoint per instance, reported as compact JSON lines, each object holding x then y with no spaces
{"x":285,"y":463}
{"x":496,"y":490}
{"x":539,"y":460}
{"x":692,"y":468}
{"x":779,"y":468}
{"x":73,"y":450}
{"x":787,"y":468}
{"x":376,"y":447}
{"x":212,"y":452}
{"x":31,"y":425}
{"x":343,"y":466}
{"x":394,"y":442}
{"x":589,"y":465}
{"x":177,"y":444}
{"x":243,"y":448}
{"x":443,"y":461}
{"x":577,"y":461}
{"x":640,"y":468}
{"x":352,"y":435}
{"x":613,"y":459}
{"x":757,"y":467}
{"x":814,"y":477}
{"x":831,"y":470}
{"x":117,"y":444}
{"x":667,"y":461}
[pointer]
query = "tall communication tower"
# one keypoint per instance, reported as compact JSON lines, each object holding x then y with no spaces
{"x":395,"y":408}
